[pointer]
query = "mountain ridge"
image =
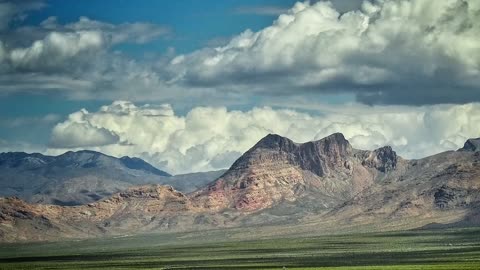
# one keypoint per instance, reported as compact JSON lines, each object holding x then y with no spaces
{"x":275,"y":184}
{"x":81,"y":177}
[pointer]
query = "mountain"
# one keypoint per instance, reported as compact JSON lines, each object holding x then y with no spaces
{"x":279,"y":187}
{"x":323,"y":174}
{"x":82,"y":177}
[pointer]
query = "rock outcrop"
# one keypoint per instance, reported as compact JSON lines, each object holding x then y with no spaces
{"x":383,"y":159}
{"x":472,"y":145}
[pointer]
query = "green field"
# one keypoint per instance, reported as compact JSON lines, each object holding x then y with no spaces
{"x":421,"y":249}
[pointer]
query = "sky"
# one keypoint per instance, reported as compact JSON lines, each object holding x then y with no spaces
{"x":190,"y":85}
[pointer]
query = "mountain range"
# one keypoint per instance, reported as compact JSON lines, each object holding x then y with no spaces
{"x":277,"y":187}
{"x":82,"y":177}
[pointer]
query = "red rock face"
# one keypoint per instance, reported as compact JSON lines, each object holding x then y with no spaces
{"x":277,"y":169}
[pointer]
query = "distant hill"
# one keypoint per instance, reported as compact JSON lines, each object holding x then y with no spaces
{"x":82,"y":177}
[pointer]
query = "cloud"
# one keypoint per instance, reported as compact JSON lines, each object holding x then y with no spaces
{"x":78,"y":132}
{"x":385,"y":53}
{"x":77,"y":58}
{"x":410,"y":52}
{"x":55,"y":51}
{"x":71,"y":48}
{"x":209,"y":138}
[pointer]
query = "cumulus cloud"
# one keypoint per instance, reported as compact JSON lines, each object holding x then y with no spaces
{"x":209,"y":138}
{"x":78,"y":132}
{"x":385,"y":52}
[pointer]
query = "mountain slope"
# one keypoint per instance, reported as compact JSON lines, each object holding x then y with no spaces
{"x":439,"y":185}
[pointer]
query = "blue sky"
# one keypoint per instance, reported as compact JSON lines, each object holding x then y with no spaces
{"x":191,"y":84}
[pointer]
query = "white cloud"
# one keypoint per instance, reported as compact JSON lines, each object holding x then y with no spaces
{"x":55,"y":50}
{"x":79,"y":132}
{"x":208,"y":138}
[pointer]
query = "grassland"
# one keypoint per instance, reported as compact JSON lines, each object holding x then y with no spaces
{"x":420,"y":249}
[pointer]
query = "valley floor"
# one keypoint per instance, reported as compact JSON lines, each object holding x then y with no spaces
{"x":418,"y":249}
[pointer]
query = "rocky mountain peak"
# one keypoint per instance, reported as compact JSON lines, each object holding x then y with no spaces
{"x":333,"y":145}
{"x":316,"y":156}
{"x":383,"y":159}
{"x":278,"y":169}
{"x":472,"y":145}
{"x":276,"y":142}
{"x":335,"y":138}
{"x":324,"y":155}
{"x":326,"y":145}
